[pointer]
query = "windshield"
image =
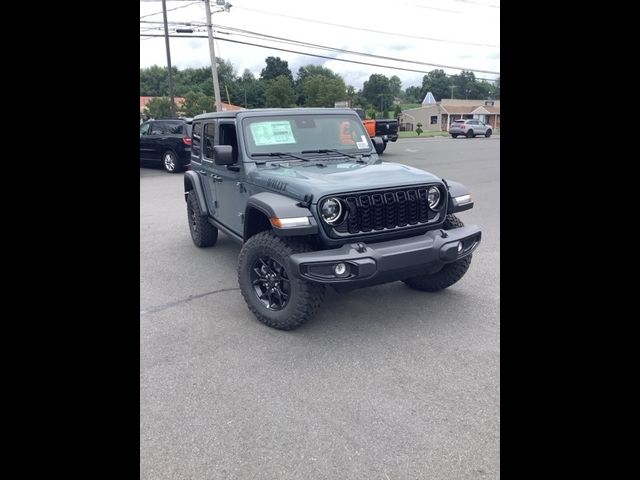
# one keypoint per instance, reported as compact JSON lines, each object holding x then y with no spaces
{"x":297,"y":133}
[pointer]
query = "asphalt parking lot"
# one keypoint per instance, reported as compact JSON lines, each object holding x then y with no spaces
{"x":384,"y":383}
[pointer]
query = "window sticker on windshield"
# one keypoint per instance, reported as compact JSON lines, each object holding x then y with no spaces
{"x":272,"y":133}
{"x":363,"y":143}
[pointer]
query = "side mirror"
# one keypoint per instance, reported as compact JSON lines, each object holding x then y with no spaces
{"x":223,"y":154}
{"x":377,"y":141}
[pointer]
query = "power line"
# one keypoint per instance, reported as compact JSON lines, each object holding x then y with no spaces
{"x":367,"y":29}
{"x":432,"y":8}
{"x":307,"y":54}
{"x":175,"y":23}
{"x":490,"y":5}
{"x":335,"y":49}
{"x":261,"y":36}
{"x":454,"y":11}
{"x":168,"y":10}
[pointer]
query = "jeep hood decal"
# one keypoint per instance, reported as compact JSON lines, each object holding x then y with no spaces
{"x":300,"y":179}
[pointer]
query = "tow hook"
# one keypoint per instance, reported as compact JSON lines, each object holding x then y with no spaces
{"x":360,"y":247}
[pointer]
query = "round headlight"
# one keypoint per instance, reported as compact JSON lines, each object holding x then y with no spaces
{"x":433,"y":195}
{"x":330,"y":210}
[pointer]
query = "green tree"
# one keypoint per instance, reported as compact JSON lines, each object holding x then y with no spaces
{"x":397,"y":111}
{"x":395,"y":86}
{"x":436,"y":82}
{"x":227,"y":78}
{"x":196,"y":103}
{"x":249,"y":91}
{"x":465,"y":84}
{"x":308,"y":71}
{"x":375,"y":88}
{"x":482,"y":90}
{"x":276,"y":67}
{"x":419,"y":128}
{"x":159,"y":107}
{"x":322,"y":91}
{"x":413,"y":95}
{"x":356,"y":99}
{"x":154,"y":81}
{"x":314,"y":70}
{"x":279,"y":92}
{"x":193,"y":80}
{"x":495,"y":90}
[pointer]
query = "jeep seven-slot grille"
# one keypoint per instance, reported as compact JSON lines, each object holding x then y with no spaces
{"x":386,"y":210}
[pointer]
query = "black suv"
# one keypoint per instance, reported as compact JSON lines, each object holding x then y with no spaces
{"x":166,"y":141}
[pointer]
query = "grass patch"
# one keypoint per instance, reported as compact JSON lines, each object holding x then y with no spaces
{"x":423,"y":135}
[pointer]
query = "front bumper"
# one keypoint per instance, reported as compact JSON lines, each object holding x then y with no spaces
{"x":370,"y":264}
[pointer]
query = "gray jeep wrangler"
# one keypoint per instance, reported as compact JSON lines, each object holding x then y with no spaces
{"x":313,"y":206}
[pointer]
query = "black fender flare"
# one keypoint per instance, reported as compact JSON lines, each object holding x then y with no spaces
{"x":193,"y":184}
{"x":456,"y":190}
{"x":273,"y":205}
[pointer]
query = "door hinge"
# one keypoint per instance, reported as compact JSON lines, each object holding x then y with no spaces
{"x":241,"y":218}
{"x":215,"y":203}
{"x":241,"y":187}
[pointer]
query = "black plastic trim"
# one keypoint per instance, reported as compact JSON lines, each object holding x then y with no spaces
{"x":192,"y":179}
{"x":311,"y":229}
{"x":457,"y":189}
{"x":226,"y":230}
{"x":391,"y":260}
{"x":274,"y":205}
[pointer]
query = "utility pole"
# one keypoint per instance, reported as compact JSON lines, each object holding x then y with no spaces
{"x":382,"y":95}
{"x":452,"y":87}
{"x":212,"y":52}
{"x":172,"y":106}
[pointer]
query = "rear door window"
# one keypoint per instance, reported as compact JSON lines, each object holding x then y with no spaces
{"x":196,"y":139}
{"x":174,"y":128}
{"x":156,"y":129}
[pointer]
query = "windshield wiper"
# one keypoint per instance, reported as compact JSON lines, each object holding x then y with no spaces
{"x":279,"y":154}
{"x":329,"y":150}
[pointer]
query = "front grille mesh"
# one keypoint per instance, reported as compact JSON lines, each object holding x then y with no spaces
{"x":386,"y":210}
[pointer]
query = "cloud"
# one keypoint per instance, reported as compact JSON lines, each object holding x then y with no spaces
{"x":379,"y":16}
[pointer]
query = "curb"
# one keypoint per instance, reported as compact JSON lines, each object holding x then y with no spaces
{"x":441,"y":137}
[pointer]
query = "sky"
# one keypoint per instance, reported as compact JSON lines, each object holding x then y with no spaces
{"x":451,"y":25}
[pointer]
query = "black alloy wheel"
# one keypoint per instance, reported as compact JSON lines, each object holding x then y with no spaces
{"x":270,"y":283}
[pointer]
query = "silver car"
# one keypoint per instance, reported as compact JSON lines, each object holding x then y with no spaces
{"x":470,"y":128}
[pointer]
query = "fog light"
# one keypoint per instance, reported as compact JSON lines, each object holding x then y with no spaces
{"x":340,"y":269}
{"x":459,"y":247}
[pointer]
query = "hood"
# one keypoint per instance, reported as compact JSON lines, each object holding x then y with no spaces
{"x":299,"y":179}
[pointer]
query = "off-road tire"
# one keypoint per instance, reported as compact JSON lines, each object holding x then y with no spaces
{"x":305,"y":297}
{"x":450,"y":272}
{"x":203,"y":233}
